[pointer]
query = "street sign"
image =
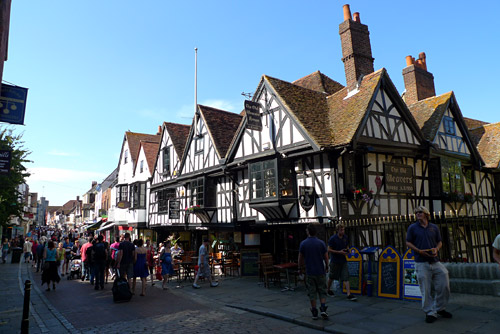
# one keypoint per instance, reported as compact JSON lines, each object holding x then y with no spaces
{"x":13,"y":104}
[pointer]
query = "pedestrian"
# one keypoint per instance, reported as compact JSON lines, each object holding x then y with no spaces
{"x":60,"y":253}
{"x":140,"y":266}
{"x":150,"y":259}
{"x":313,"y":252}
{"x":114,"y":249}
{"x":40,"y":249}
{"x":167,"y":268}
{"x":424,"y":239}
{"x":338,"y":248}
{"x":496,"y":249}
{"x":203,"y":267}
{"x":49,"y":273}
{"x":99,"y":257}
{"x":67,"y":245}
{"x":85,"y":262}
{"x":27,"y":250}
{"x":5,"y":249}
{"x":90,"y":260}
{"x":125,"y":259}
{"x":33,"y":253}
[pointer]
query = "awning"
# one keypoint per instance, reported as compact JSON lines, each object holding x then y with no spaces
{"x":95,"y":226}
{"x":274,"y":209}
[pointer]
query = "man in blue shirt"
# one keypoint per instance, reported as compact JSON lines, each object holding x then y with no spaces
{"x":424,"y":239}
{"x":314,"y":253}
{"x":338,"y":247}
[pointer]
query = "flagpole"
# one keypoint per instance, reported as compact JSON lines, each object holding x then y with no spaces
{"x":196,"y":89}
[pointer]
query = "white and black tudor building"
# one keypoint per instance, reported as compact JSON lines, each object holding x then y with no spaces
{"x":318,"y":151}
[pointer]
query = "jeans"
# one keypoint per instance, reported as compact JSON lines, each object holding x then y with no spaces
{"x":4,"y":254}
{"x":427,"y":275}
{"x":99,"y":273}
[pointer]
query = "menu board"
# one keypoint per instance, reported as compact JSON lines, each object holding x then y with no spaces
{"x":389,"y":273}
{"x":249,"y":262}
{"x":354,"y":267}
{"x":411,"y":288}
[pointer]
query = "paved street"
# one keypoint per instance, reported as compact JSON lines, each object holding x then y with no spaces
{"x":238,"y":305}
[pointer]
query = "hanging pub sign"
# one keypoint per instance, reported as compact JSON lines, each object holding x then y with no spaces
{"x":12,"y":104}
{"x":5,"y":159}
{"x":307,"y":196}
{"x":254,"y":121}
{"x":399,"y":178}
{"x":174,"y":207}
{"x":389,"y":273}
{"x":411,"y":288}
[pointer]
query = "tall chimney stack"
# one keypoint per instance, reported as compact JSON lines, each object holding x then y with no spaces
{"x":356,"y":48}
{"x":419,"y":83}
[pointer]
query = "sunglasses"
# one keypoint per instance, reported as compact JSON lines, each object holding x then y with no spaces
{"x":418,"y":212}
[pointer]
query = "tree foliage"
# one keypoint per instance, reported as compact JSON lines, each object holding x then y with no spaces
{"x":11,"y":201}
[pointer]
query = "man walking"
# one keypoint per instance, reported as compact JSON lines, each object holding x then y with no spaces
{"x":314,"y":253}
{"x":424,"y":239}
{"x":125,"y":259}
{"x":338,"y":248}
{"x":100,"y":255}
{"x":203,"y":267}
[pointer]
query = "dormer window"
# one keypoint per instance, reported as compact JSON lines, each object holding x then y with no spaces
{"x":125,"y":157}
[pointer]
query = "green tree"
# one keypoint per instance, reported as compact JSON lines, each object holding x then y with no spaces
{"x":11,"y":201}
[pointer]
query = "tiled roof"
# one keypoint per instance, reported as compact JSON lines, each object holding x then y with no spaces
{"x":151,"y":152}
{"x":178,"y":134}
{"x":222,"y":126}
{"x":70,"y":206}
{"x":134,"y":140}
{"x":429,"y":112}
{"x":319,"y":82}
{"x":473,"y":123}
{"x":109,"y":180}
{"x":330,"y":121}
{"x":487,"y":139}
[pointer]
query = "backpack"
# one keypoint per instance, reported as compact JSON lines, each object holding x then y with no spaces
{"x":99,"y":252}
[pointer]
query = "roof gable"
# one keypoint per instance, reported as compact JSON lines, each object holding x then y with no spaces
{"x":319,"y":82}
{"x":150,"y":151}
{"x":487,"y":139}
{"x":179,"y":134}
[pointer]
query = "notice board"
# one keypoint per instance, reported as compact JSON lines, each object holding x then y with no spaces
{"x":249,"y":262}
{"x":411,"y":288}
{"x":389,"y":273}
{"x":354,"y":267}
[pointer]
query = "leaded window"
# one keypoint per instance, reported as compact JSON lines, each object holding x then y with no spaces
{"x":197,"y":192}
{"x":166,"y":160}
{"x":138,"y":195}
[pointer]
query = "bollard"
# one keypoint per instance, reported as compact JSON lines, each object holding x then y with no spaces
{"x":25,"y":323}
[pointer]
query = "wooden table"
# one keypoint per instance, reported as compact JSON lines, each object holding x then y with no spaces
{"x":287,"y":267}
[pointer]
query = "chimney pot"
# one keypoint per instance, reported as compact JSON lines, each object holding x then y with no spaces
{"x":159,"y":130}
{"x":347,"y":13}
{"x":356,"y":17}
{"x":409,"y":60}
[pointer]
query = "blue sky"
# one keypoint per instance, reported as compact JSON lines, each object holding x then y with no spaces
{"x":96,"y":69}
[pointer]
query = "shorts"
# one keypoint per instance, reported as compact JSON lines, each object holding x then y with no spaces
{"x":204,"y":271}
{"x":338,"y":271}
{"x":316,"y":286}
{"x":27,"y":255}
{"x":127,"y":269}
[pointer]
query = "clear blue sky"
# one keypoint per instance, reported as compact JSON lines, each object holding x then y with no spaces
{"x":96,"y":69}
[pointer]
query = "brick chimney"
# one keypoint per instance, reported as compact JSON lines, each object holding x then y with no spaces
{"x":356,"y":48}
{"x":419,"y":83}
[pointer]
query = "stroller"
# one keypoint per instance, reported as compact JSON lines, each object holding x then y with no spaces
{"x":75,"y":267}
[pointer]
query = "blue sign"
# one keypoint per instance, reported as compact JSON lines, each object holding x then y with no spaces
{"x":13,"y":104}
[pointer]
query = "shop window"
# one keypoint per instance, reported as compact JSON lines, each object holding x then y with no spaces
{"x":162,"y":197}
{"x":451,"y":175}
{"x":121,"y":193}
{"x":138,"y":195}
{"x":267,"y":181}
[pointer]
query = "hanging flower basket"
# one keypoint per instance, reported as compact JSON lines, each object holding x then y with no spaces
{"x":363,"y":194}
{"x":193,"y":208}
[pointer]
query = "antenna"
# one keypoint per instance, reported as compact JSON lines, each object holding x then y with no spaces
{"x":247,"y":95}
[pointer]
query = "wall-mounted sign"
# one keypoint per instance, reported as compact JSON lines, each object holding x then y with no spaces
{"x":411,"y":288}
{"x":174,"y":209}
{"x":389,"y":273}
{"x":252,"y":111}
{"x":12,"y":104}
{"x":123,"y":205}
{"x":399,"y":178}
{"x":306,"y":199}
{"x":5,"y":159}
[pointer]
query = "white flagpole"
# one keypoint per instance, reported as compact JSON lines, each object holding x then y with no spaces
{"x":196,"y":89}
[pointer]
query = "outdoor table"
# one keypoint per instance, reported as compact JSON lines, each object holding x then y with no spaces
{"x":287,"y":267}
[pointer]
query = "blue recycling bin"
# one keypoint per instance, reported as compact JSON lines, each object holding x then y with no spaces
{"x":370,"y":251}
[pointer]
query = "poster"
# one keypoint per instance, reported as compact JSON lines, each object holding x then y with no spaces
{"x":411,"y":289}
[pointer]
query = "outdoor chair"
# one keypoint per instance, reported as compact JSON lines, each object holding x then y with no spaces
{"x":270,"y":273}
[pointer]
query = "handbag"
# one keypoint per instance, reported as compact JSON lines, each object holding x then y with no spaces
{"x":158,"y":273}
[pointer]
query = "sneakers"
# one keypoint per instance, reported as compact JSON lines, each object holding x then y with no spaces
{"x":323,"y":313}
{"x":445,"y":314}
{"x":352,"y":298}
{"x":196,"y":286}
{"x":214,"y":284}
{"x":330,"y":293}
{"x":314,"y":312}
{"x":430,"y":319}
